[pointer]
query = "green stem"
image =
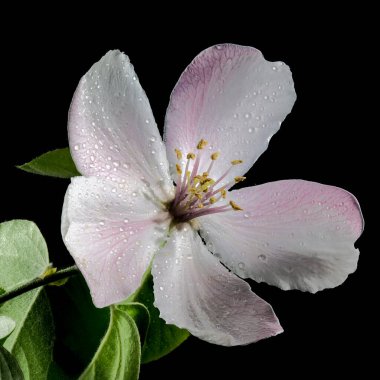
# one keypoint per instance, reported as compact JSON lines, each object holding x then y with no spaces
{"x":37,"y":282}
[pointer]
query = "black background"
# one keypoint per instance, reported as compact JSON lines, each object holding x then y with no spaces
{"x":326,"y":138}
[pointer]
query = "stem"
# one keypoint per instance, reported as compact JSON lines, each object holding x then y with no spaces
{"x":37,"y":282}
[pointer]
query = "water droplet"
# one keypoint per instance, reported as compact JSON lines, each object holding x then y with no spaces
{"x":121,"y":229}
{"x":241,"y":266}
{"x":337,"y":228}
{"x":218,"y":47}
{"x":236,"y":115}
{"x":147,"y":121}
{"x":76,"y":147}
{"x":126,"y":220}
{"x":134,"y":77}
{"x":246,"y":215}
{"x":247,"y":115}
{"x":153,"y":152}
{"x":262,"y":257}
{"x":250,"y":130}
{"x":161,"y":288}
{"x":153,"y":139}
{"x":274,"y":68}
{"x":134,"y":194}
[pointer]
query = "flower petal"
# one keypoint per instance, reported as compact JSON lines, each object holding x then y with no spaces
{"x":236,"y":100}
{"x":112,"y":131}
{"x":293,"y":234}
{"x":194,"y":291}
{"x":112,"y":232}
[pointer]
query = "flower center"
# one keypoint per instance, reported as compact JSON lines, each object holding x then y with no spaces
{"x":197,"y":193}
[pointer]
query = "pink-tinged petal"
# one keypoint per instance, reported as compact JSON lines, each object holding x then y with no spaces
{"x":293,"y":234}
{"x":112,"y":232}
{"x":235,"y":99}
{"x":194,"y":291}
{"x":112,"y":131}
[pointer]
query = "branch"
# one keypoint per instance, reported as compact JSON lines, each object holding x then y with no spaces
{"x":37,"y":282}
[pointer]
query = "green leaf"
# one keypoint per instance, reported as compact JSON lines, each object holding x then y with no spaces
{"x":56,"y":163}
{"x":9,"y":368}
{"x":80,"y":326}
{"x":23,"y":257}
{"x":7,"y":325}
{"x":23,"y":253}
{"x":140,"y":315}
{"x":118,"y":356}
{"x":161,"y":338}
{"x":2,"y":291}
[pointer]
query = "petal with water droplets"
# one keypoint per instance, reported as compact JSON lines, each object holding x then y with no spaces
{"x":236,"y":100}
{"x":112,"y":131}
{"x":112,"y":232}
{"x":193,"y":290}
{"x":293,"y":234}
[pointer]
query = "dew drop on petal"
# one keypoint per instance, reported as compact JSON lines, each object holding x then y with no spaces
{"x":262,"y":257}
{"x":241,"y":266}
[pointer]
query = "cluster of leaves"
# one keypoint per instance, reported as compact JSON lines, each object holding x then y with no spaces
{"x":57,"y":333}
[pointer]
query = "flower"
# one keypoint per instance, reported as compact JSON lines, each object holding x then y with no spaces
{"x":125,"y":212}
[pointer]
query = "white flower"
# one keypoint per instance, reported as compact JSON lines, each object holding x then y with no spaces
{"x":222,"y":113}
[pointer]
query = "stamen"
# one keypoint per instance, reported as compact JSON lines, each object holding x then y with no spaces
{"x":196,"y":192}
{"x":235,"y":206}
{"x":215,"y":156}
{"x":178,"y":153}
{"x":202,"y":144}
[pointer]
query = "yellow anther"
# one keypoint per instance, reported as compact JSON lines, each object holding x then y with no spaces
{"x":202,"y":144}
{"x":215,"y":155}
{"x":193,"y":190}
{"x":236,"y":162}
{"x":200,"y":205}
{"x":190,"y":156}
{"x":212,"y":200}
{"x":178,"y":153}
{"x":199,"y":196}
{"x":179,"y":170}
{"x":205,"y":174}
{"x":239,"y":179}
{"x":235,"y":206}
{"x":188,"y":174}
{"x":223,"y":193}
{"x":196,"y":180}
